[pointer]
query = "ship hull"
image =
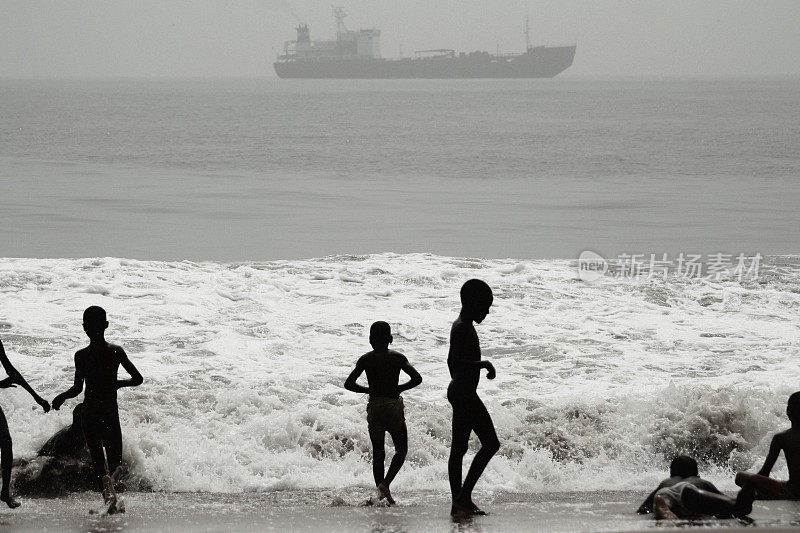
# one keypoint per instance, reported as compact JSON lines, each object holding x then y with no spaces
{"x":539,"y":62}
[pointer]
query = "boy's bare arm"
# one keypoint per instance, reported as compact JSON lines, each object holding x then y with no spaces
{"x":774,"y":451}
{"x":136,"y":377}
{"x":77,"y":386}
{"x":460,"y":343}
{"x":350,"y":383}
{"x":415,"y":380}
{"x":14,"y":377}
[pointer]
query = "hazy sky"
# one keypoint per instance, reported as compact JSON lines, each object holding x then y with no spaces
{"x":78,"y":38}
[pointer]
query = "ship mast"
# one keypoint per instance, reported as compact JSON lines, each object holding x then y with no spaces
{"x":339,"y":15}
{"x":527,"y":33}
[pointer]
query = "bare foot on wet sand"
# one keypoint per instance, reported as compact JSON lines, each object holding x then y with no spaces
{"x":662,"y":510}
{"x":11,"y":502}
{"x":383,"y":490}
{"x":109,"y":495}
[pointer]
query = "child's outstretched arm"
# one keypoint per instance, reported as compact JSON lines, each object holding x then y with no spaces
{"x":16,"y":378}
{"x":136,"y":377}
{"x":415,"y":380}
{"x":77,"y":386}
{"x":350,"y":383}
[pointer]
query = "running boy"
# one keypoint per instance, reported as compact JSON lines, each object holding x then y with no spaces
{"x":385,"y":407}
{"x":6,"y":453}
{"x":97,"y":364}
{"x":787,"y":441}
{"x":469,"y":414}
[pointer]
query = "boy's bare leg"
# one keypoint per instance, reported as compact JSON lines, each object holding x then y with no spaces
{"x":109,"y":495}
{"x":662,"y":510}
{"x":703,"y":502}
{"x":378,"y":458}
{"x":400,"y":441}
{"x":6,"y":458}
{"x":750,"y":483}
{"x":764,"y":484}
{"x":742,"y":478}
{"x":458,"y":449}
{"x":483,"y":427}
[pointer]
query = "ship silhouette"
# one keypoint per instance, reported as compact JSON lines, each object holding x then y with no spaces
{"x":356,"y":54}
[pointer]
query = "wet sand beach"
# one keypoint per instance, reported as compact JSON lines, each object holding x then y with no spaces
{"x":343,"y":510}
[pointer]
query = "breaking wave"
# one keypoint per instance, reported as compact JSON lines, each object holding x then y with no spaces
{"x":598,"y":385}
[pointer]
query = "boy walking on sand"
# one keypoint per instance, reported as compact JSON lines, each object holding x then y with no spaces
{"x":6,"y":453}
{"x":469,"y":414}
{"x":97,"y":365}
{"x":787,"y":441}
{"x":385,"y":408}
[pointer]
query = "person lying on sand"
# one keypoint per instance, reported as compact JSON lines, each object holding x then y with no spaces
{"x":6,"y":453}
{"x":469,"y":414}
{"x":385,"y":408}
{"x":97,"y":365}
{"x":787,"y":441}
{"x":685,"y":495}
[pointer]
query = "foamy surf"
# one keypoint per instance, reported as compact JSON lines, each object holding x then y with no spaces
{"x":598,"y":383}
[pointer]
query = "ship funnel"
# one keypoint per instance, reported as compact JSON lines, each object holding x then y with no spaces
{"x":303,"y":35}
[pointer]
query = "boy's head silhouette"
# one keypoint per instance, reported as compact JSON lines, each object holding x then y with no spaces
{"x":683,"y":466}
{"x":793,"y":408}
{"x":94,"y":322}
{"x":476,"y":299}
{"x":380,"y":335}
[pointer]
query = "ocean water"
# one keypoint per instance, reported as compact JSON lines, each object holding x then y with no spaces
{"x":244,"y":234}
{"x":598,"y":384}
{"x":292,"y":169}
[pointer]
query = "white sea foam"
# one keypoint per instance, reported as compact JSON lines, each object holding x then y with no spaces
{"x":597,"y":384}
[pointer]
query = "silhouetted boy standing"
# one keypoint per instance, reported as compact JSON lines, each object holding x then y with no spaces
{"x":469,"y":413}
{"x":385,"y":408}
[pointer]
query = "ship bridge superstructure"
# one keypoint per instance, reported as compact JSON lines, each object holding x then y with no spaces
{"x":349,"y":44}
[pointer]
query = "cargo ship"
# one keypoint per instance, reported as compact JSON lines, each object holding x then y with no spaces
{"x":356,"y":54}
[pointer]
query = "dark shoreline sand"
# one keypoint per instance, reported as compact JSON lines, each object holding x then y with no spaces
{"x":340,"y":510}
